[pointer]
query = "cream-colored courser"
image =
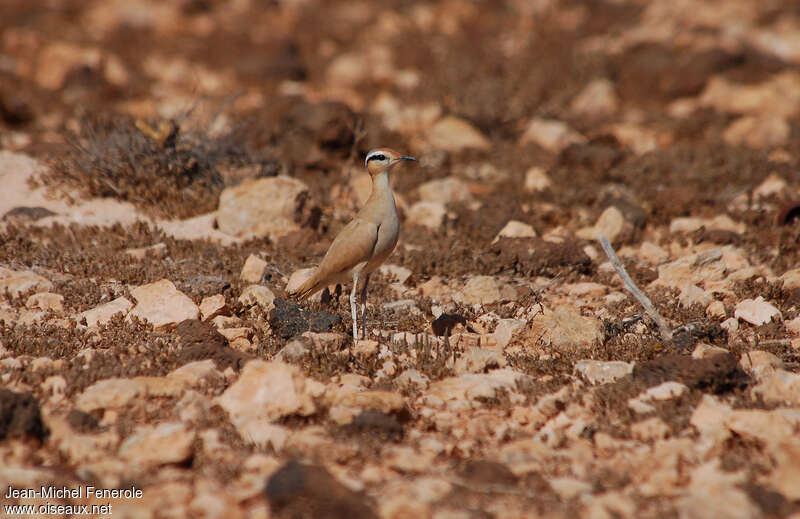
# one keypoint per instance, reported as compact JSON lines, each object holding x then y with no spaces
{"x":365,"y":242}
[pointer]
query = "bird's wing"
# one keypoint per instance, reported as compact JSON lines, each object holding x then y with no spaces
{"x":354,"y":244}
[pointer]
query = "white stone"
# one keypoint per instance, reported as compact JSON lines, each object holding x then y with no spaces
{"x":602,"y":372}
{"x":46,"y":301}
{"x":258,"y":295}
{"x":253,"y":269}
{"x":161,"y":304}
{"x":597,"y":99}
{"x":262,"y":207}
{"x":213,"y":306}
{"x":103,"y":313}
{"x":427,"y":214}
{"x":551,"y":134}
{"x":479,"y":290}
{"x":515,"y":229}
{"x":16,"y":282}
{"x":756,"y":311}
{"x":563,"y":328}
{"x":445,"y":190}
{"x":453,"y":134}
{"x":160,"y":444}
{"x":536,"y":180}
{"x":266,"y":391}
{"x":773,"y":185}
{"x":610,"y":224}
{"x":506,"y":329}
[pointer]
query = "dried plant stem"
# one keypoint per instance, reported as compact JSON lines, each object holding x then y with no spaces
{"x":666,"y":332}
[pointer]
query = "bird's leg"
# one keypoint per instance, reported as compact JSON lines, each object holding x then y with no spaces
{"x":353,"y":307}
{"x":364,"y":307}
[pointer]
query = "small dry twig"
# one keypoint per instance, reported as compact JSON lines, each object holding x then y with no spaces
{"x":666,"y":332}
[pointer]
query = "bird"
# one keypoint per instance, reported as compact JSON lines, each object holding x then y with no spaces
{"x":364,"y":243}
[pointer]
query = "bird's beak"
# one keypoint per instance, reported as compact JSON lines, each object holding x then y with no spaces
{"x":406,"y":157}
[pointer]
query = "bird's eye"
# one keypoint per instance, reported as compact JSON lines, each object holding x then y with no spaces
{"x":377,"y":157}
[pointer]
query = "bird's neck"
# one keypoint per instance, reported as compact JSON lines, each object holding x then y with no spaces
{"x":381,"y":196}
{"x":380,"y":183}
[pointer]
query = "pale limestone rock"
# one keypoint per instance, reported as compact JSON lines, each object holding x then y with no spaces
{"x":773,"y":185}
{"x":569,"y":488}
{"x":756,"y":311}
{"x":527,"y":455}
{"x":551,"y":134}
{"x":427,"y":214}
{"x":445,"y":191}
{"x":597,"y":99}
{"x":406,"y":459}
{"x":258,"y":295}
{"x":716,"y":310}
{"x":453,"y":134}
{"x":777,"y":96}
{"x":703,"y":350}
{"x":473,"y":386}
{"x":710,"y":418}
{"x":267,"y":391}
{"x":262,"y":207}
{"x":346,"y":404}
{"x":46,"y":301}
{"x":58,"y":59}
{"x":665,"y":391}
{"x":715,"y":493}
{"x":326,"y":341}
{"x":411,"y":379}
{"x":793,"y":326}
{"x":771,"y":427}
{"x":791,"y":279}
{"x":158,"y":250}
{"x":56,"y":387}
{"x":694,"y":295}
{"x":602,"y":372}
{"x":515,"y":229}
{"x":196,"y":373}
{"x":483,"y":290}
{"x":294,"y":351}
{"x":778,"y":386}
{"x":16,"y":282}
{"x":111,"y":392}
{"x":233,"y":334}
{"x":785,"y":478}
{"x":253,"y":269}
{"x":585,"y":289}
{"x":299,"y":277}
{"x":731,"y":325}
{"x":641,"y":139}
{"x":162,"y":304}
{"x":478,"y":360}
{"x":721,"y":222}
{"x":563,"y":328}
{"x":213,"y":306}
{"x":653,"y":254}
{"x":758,"y":363}
{"x":366,"y":348}
{"x":395,"y":272}
{"x":698,"y":269}
{"x":610,"y":224}
{"x":650,"y":429}
{"x":161,"y":444}
{"x":766,"y":131}
{"x":506,"y":329}
{"x":536,"y":179}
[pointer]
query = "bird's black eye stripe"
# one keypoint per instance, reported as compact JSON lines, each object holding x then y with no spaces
{"x":377,"y":157}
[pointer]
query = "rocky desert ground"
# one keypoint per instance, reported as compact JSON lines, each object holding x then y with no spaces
{"x":167,"y":165}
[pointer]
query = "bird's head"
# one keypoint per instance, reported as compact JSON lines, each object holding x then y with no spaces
{"x":383,"y":159}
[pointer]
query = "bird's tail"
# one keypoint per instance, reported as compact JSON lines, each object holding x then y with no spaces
{"x":309,"y":287}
